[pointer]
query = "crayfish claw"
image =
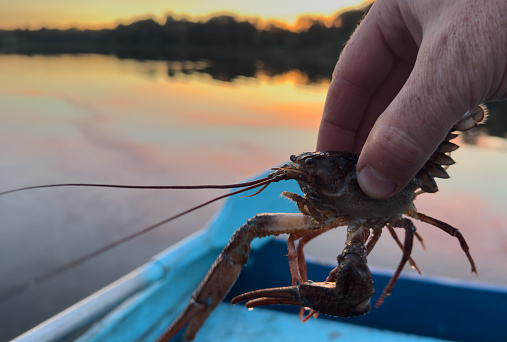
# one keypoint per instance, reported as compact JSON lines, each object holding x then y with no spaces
{"x":349,"y":295}
{"x":280,"y":295}
{"x":319,"y":297}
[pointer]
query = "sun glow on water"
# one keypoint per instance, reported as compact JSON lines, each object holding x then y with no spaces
{"x":123,"y":105}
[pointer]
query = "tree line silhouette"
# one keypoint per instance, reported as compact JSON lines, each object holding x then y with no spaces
{"x":217,"y":32}
{"x":233,"y":46}
{"x":182,"y":38}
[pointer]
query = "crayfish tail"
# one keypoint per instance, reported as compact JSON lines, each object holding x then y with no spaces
{"x":436,"y":166}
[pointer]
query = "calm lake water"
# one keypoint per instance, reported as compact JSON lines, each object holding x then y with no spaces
{"x":100,"y":119}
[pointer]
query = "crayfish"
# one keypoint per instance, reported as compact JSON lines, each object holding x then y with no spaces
{"x":332,"y":198}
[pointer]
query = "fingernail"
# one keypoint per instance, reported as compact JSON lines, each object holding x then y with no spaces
{"x":374,"y":184}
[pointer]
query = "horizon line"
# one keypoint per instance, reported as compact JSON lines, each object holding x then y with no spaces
{"x":302,"y":22}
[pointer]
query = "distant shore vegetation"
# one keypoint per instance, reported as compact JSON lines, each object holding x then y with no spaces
{"x":183,"y":37}
{"x":231,"y":46}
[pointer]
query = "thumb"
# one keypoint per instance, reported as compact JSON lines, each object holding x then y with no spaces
{"x":460,"y":63}
{"x":408,"y":132}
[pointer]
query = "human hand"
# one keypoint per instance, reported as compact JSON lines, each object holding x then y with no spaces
{"x":408,"y":73}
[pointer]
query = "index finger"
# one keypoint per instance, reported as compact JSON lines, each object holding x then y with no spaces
{"x":363,"y":66}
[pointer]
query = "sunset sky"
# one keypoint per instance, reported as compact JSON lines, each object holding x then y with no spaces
{"x":98,"y":13}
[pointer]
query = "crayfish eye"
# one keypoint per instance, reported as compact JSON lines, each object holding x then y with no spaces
{"x":292,"y":158}
{"x":309,"y":161}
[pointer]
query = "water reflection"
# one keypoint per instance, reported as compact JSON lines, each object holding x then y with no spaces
{"x":230,"y":69}
{"x":304,"y":72}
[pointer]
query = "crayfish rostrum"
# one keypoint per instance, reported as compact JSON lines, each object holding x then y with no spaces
{"x":332,"y":198}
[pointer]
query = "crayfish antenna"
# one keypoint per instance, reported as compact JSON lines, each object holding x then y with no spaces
{"x":144,"y":187}
{"x":246,"y":186}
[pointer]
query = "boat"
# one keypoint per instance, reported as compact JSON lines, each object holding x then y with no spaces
{"x":142,"y":304}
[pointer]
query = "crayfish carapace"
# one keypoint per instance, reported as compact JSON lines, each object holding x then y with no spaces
{"x":332,"y":198}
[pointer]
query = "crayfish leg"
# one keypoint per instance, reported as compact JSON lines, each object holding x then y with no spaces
{"x":297,"y":263}
{"x":296,"y":256}
{"x":449,"y":230}
{"x":407,"y":250}
{"x":374,"y":237}
{"x":411,"y":261}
